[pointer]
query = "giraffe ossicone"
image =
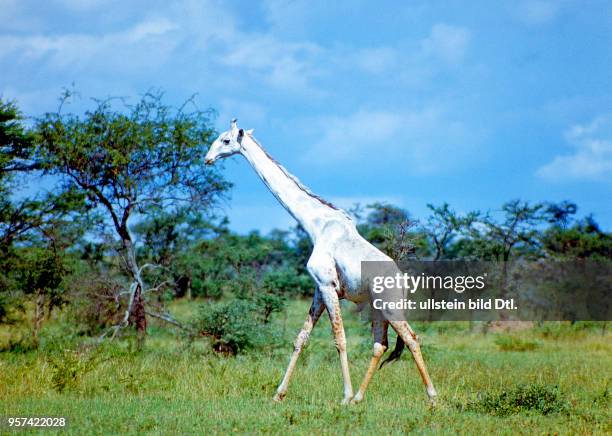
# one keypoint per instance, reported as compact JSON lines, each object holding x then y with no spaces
{"x":335,"y":262}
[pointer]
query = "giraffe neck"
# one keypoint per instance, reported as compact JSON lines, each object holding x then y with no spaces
{"x":310,"y":211}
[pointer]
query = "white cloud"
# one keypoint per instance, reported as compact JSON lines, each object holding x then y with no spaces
{"x":140,"y":45}
{"x":202,"y":30}
{"x":288,"y":15}
{"x":232,"y":50}
{"x":150,"y":28}
{"x":208,"y":36}
{"x":592,"y":156}
{"x":280,"y":64}
{"x":446,"y":42}
{"x":536,"y":12}
{"x":429,"y":140}
{"x":376,"y":60}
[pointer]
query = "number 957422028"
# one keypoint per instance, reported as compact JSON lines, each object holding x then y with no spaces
{"x":33,"y":421}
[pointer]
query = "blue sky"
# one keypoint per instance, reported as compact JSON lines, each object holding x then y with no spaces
{"x":473,"y":103}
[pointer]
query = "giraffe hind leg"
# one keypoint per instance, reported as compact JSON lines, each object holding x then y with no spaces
{"x":379,"y":332}
{"x":404,"y":330}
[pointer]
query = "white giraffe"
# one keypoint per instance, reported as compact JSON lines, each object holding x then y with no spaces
{"x":335,"y":263}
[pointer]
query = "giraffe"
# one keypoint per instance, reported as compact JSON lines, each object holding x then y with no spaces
{"x":334,"y":265}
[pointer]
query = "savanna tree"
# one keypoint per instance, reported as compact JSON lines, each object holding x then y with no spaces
{"x":15,"y":147}
{"x":34,"y":230}
{"x":391,"y":229}
{"x":129,"y":160}
{"x":443,"y":225}
{"x":493,"y":238}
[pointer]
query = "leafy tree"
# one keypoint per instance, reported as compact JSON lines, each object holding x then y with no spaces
{"x":301,"y":249}
{"x":128,"y":161}
{"x":168,"y":239}
{"x":382,"y":214}
{"x":15,"y":145}
{"x":443,"y":225}
{"x":391,"y":229}
{"x":583,"y":240}
{"x":560,"y":214}
{"x":493,"y":239}
{"x":15,"y":141}
{"x":33,"y":231}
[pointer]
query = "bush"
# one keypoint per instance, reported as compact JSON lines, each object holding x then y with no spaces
{"x":233,"y":327}
{"x":566,"y":329}
{"x":207,"y":288}
{"x":511,"y":343}
{"x":20,"y":344}
{"x":96,"y":303}
{"x":69,"y":367}
{"x":4,"y":308}
{"x":525,"y":398}
{"x":289,"y":282}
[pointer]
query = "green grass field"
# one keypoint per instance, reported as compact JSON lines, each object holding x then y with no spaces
{"x":171,"y":387}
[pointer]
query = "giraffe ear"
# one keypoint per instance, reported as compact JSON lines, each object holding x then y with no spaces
{"x":234,"y":124}
{"x":250,"y":131}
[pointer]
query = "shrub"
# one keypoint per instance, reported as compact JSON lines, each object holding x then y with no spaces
{"x":233,"y":327}
{"x":96,"y":303}
{"x":288,"y":281}
{"x":69,"y":367}
{"x":524,"y":398}
{"x":511,"y":343}
{"x":20,"y":344}
{"x":207,"y":287}
{"x":4,"y":308}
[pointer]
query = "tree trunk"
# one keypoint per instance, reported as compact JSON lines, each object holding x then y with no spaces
{"x":138,"y":318}
{"x":39,"y":315}
{"x":135,"y":313}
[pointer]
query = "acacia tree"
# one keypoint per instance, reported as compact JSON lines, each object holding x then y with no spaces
{"x":34,"y":231}
{"x":391,"y":229}
{"x":126,"y":161}
{"x":518,"y":228}
{"x":15,"y":147}
{"x":443,"y":225}
{"x":169,"y":239}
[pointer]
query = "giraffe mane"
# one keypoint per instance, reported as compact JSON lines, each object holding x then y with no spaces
{"x":297,"y":181}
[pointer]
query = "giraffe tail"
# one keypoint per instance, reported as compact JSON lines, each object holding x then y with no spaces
{"x":396,"y":353}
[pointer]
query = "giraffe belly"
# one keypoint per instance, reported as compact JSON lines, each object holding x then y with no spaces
{"x":348,"y":249}
{"x":349,"y":274}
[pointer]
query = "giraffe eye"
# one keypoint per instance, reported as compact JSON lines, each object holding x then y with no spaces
{"x":226,"y":141}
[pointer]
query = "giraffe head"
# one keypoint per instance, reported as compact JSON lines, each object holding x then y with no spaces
{"x":227,"y":144}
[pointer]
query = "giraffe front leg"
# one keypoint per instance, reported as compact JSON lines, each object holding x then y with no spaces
{"x":379,"y":331}
{"x":316,"y":309}
{"x":322,"y":268}
{"x":332,"y":303}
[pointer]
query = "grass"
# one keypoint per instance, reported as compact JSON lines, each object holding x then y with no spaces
{"x":559,"y":386}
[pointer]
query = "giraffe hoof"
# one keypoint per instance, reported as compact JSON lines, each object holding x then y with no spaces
{"x":356,"y":399}
{"x":345,"y":401}
{"x":433,"y":395}
{"x":279,"y":397}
